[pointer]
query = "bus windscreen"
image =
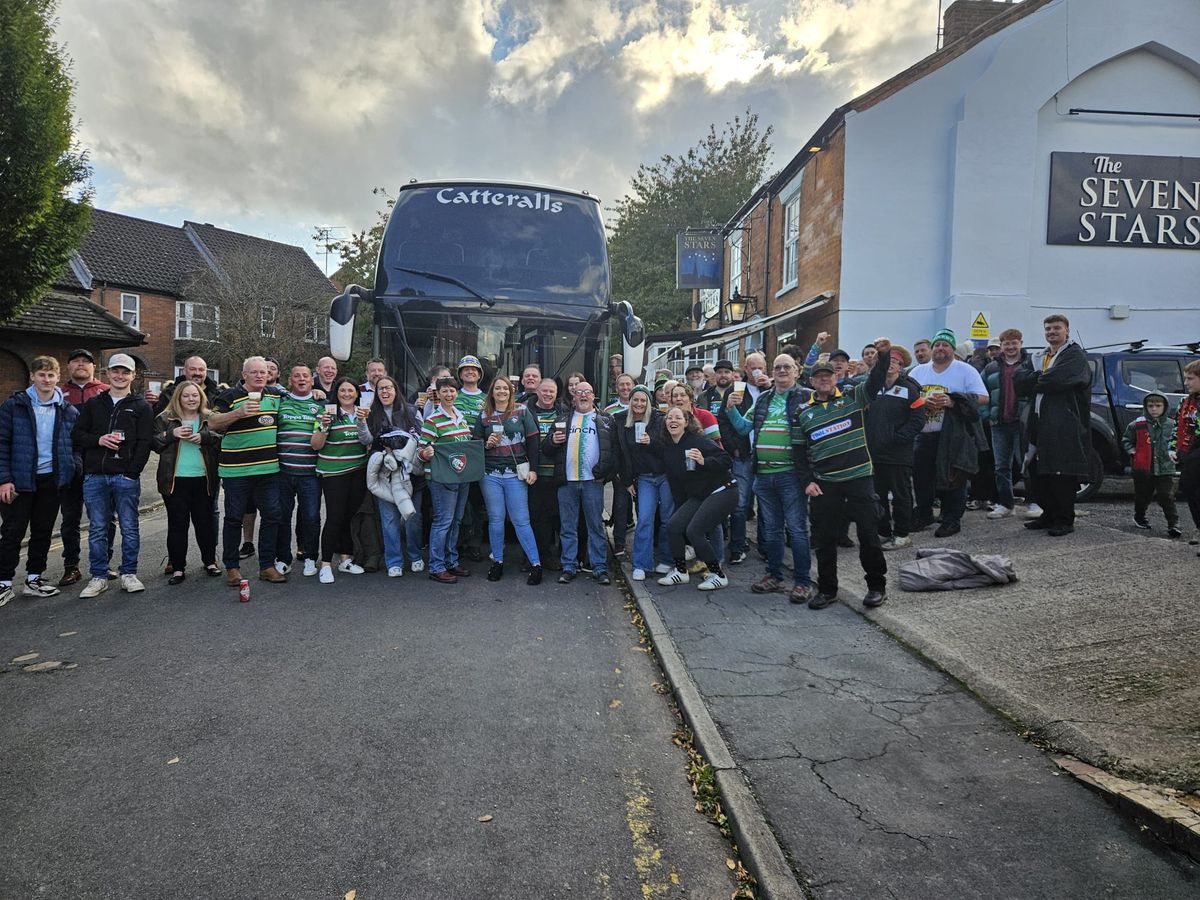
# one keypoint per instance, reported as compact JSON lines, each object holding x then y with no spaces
{"x":526,"y":249}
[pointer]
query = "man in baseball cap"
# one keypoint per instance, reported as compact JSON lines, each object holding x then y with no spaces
{"x":469,"y":402}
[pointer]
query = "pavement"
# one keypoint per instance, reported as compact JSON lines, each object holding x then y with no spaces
{"x":391,"y":737}
{"x":884,"y":772}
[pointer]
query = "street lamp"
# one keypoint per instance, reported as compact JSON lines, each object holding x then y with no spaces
{"x":739,"y":305}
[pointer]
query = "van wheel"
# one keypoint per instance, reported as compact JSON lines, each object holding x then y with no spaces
{"x":1090,"y":488}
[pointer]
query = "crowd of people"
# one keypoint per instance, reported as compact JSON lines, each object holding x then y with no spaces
{"x":820,"y":440}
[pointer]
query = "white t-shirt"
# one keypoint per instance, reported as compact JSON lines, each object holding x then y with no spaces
{"x":958,"y":378}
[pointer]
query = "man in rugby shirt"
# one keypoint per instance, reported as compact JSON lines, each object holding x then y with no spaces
{"x":469,"y":402}
{"x":249,"y":466}
{"x":299,"y":411}
{"x":833,"y":467}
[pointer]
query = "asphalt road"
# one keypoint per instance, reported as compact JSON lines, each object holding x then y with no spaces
{"x":323,"y":739}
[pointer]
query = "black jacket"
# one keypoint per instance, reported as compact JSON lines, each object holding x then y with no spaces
{"x":102,"y":415}
{"x":211,"y":389}
{"x":894,"y":419}
{"x":606,"y":461}
{"x":714,"y":401}
{"x":697,"y":483}
{"x":637,"y":459}
{"x":1059,"y":414}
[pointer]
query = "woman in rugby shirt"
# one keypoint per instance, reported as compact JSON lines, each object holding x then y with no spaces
{"x":698,"y":471}
{"x":445,"y":424}
{"x":510,"y":435}
{"x":341,"y":443}
{"x":390,"y":420}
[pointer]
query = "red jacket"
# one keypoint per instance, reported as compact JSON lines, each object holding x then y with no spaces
{"x":1185,"y":429}
{"x":78,"y":395}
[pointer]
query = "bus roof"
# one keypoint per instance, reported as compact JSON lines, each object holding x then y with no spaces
{"x":489,"y":182}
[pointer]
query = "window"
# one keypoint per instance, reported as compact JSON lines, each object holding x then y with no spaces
{"x":197,"y":321}
{"x":1147,"y":375}
{"x":267,"y":322}
{"x":755,"y":341}
{"x":791,"y":241}
{"x":131,"y":310}
{"x":735,"y":263}
{"x":316,"y":329}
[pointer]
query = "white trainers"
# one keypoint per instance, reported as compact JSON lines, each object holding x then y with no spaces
{"x":131,"y":585}
{"x":6,"y":593}
{"x":94,"y":588}
{"x":675,"y":576}
{"x":39,"y":588}
{"x":898,"y":543}
{"x":326,"y":575}
{"x":713,"y":582}
{"x":310,"y":568}
{"x":1032,"y":511}
{"x":395,"y":571}
{"x":282,"y":568}
{"x":350,"y":567}
{"x":999,"y":512}
{"x":418,"y":565}
{"x":664,"y":568}
{"x":639,"y":575}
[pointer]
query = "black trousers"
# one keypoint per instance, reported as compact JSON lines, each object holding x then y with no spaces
{"x":856,"y":500}
{"x":190,"y":502}
{"x":343,"y":496}
{"x":895,"y":516}
{"x":1056,"y":495}
{"x":622,"y":512}
{"x":543,"y":515}
{"x":693,"y":520}
{"x":1189,"y":484}
{"x":33,"y":511}
{"x":1155,"y":487}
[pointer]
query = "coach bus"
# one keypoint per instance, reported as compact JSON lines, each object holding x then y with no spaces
{"x":513,"y":274}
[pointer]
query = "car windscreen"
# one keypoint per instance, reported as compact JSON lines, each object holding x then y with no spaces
{"x":525,"y":248}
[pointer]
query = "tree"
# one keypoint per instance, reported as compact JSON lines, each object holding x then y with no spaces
{"x":40,"y":225}
{"x":253,"y":318}
{"x":703,"y":187}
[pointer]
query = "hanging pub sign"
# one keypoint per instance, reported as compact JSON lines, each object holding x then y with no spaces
{"x":1121,"y":200}
{"x":698,"y":259}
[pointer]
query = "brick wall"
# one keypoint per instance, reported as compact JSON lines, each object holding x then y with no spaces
{"x":14,"y":363}
{"x":964,"y":16}
{"x":157,"y":323}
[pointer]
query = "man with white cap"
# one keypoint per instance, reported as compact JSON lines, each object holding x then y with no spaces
{"x":114,"y":434}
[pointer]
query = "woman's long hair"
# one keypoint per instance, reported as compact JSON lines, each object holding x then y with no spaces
{"x":174,"y":410}
{"x":402,"y":413}
{"x":489,"y":402}
{"x":630,"y":419}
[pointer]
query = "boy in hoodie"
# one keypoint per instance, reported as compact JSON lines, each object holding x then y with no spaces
{"x":1187,"y":445}
{"x":36,"y":462}
{"x":1150,"y":442}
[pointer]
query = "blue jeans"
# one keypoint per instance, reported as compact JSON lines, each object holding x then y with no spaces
{"x":400,"y":539}
{"x":307,"y":490}
{"x":653,"y":494}
{"x":239,"y":491}
{"x":104,"y":494}
{"x":449,"y":502}
{"x":590,"y":495}
{"x":511,"y":496}
{"x":1006,"y":448}
{"x":781,"y":504}
{"x":743,"y":474}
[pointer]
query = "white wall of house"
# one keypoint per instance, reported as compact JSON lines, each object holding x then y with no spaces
{"x":947,"y":182}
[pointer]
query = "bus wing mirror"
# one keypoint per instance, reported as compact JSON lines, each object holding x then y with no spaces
{"x":342,"y":311}
{"x":633,"y":337}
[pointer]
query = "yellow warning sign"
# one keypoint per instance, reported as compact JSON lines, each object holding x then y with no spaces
{"x":980,"y":329}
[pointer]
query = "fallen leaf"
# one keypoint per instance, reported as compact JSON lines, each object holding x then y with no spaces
{"x":68,"y":633}
{"x":172,"y":760}
{"x":71,"y":666}
{"x":730,"y":864}
{"x":614,"y":704}
{"x":617,"y":670}
{"x":485,"y":818}
{"x":45,"y":666}
{"x":350,"y":895}
{"x":674,"y":876}
{"x":27,"y":657}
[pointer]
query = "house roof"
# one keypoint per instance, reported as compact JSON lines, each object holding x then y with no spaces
{"x":63,"y":313}
{"x":881,"y":92}
{"x":301,"y":277}
{"x":136,"y":253}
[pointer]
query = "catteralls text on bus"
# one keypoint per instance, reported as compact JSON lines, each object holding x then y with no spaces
{"x":487,"y":197}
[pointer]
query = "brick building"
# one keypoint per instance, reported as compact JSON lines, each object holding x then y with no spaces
{"x":937,"y":195}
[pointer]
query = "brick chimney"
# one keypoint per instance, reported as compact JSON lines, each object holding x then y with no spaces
{"x":964,"y":16}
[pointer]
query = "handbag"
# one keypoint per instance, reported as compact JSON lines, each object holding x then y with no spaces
{"x":457,"y":462}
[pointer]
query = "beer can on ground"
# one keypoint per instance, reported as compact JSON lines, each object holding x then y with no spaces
{"x":244,"y":591}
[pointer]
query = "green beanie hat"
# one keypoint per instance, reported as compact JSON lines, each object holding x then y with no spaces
{"x":945,"y":335}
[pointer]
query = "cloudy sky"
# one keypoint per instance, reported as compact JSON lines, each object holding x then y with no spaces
{"x":272,"y":116}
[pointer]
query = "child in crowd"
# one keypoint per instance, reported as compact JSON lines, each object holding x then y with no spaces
{"x":1150,"y":442}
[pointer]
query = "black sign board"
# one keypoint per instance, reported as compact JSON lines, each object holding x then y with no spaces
{"x":698,"y":256}
{"x":1120,"y":200}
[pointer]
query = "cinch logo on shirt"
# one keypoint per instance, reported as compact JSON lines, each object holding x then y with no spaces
{"x":835,"y":428}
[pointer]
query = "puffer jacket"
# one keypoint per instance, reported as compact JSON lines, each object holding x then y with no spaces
{"x":18,"y":443}
{"x":994,"y":382}
{"x":1149,"y":441}
{"x":167,"y":446}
